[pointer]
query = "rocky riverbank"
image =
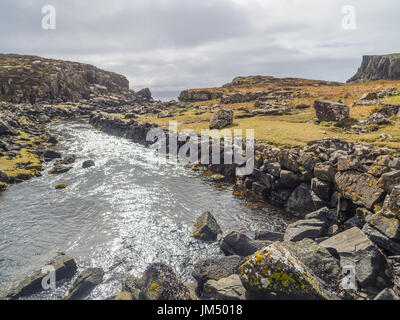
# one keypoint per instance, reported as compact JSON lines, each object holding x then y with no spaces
{"x":345,"y":195}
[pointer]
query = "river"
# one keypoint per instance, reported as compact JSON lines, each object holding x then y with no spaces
{"x":129,"y":210}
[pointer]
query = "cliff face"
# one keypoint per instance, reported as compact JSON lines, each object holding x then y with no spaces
{"x":36,"y":79}
{"x":386,"y":67}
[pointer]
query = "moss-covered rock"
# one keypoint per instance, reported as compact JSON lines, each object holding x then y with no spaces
{"x":277,"y":272}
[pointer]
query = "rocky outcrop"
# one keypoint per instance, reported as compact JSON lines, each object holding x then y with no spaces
{"x":378,"y":67}
{"x":35,"y":79}
{"x":199,"y":95}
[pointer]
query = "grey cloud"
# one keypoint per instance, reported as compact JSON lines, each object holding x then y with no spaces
{"x":176,"y":44}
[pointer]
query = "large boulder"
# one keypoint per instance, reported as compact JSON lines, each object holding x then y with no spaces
{"x":278,"y":272}
{"x":318,"y":259}
{"x":221,"y":119}
{"x":356,"y":250}
{"x":301,"y":201}
{"x":389,"y":180}
{"x":389,"y":226}
{"x":85,"y":283}
{"x":381,"y":240}
{"x":268,"y":235}
{"x":392,"y":203}
{"x":159,"y":282}
{"x":236,"y":243}
{"x":331,"y":111}
{"x":302,"y":229}
{"x":206,"y":227}
{"x":215,"y":269}
{"x":64,"y":267}
{"x":361,"y":188}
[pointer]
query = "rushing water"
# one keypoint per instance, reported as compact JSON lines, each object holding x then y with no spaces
{"x":129,"y":210}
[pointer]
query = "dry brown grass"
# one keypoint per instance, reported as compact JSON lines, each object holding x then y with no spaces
{"x":293,"y":129}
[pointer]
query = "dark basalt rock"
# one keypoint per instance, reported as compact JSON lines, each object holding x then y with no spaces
{"x":85,"y":283}
{"x":88,"y":164}
{"x":64,"y":266}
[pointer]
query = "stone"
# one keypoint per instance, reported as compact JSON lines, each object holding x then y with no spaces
{"x":130,"y":285}
{"x":392,"y":204}
{"x":389,"y":180}
{"x":325,"y":171}
{"x":300,"y":201}
{"x":230,"y":288}
{"x":69,"y":159}
{"x":275,"y":272}
{"x":322,"y":189}
{"x":145,"y":92}
{"x":360,"y":188}
{"x":221,"y":119}
{"x":61,"y":186}
{"x":259,"y":189}
{"x":289,"y":179}
{"x":324,"y":214}
{"x":381,"y":240}
{"x":302,"y":229}
{"x":85,"y":283}
{"x":6,"y":129}
{"x":215,"y":269}
{"x":388,"y":226}
{"x":88,"y":164}
{"x":59,"y":168}
{"x":4,"y":177}
{"x":268,"y":235}
{"x":274,"y":169}
{"x":51,"y":154}
{"x":387,"y":294}
{"x":331,"y":111}
{"x":236,"y":243}
{"x":124,"y":296}
{"x":159,"y":282}
{"x":318,"y":259}
{"x":394,"y":264}
{"x":65,"y":268}
{"x":378,"y":118}
{"x":206,"y":228}
{"x":355,"y":249}
{"x":348,"y":163}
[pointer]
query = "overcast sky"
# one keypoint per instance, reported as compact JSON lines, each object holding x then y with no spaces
{"x":170,"y":45}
